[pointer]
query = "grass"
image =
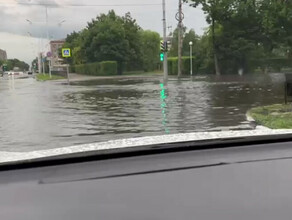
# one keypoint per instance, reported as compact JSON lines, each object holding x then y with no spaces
{"x":46,"y":77}
{"x":274,"y":116}
{"x":139,"y":73}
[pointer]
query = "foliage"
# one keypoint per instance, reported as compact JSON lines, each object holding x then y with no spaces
{"x":35,"y":64}
{"x":104,"y":68}
{"x":186,"y":62}
{"x":242,"y":35}
{"x":274,"y":116}
{"x":46,"y":77}
{"x":150,"y":46}
{"x":15,"y":63}
{"x":112,"y":37}
{"x":244,"y":31}
{"x":108,"y":68}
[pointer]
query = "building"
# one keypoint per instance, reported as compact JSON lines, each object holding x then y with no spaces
{"x":55,"y":46}
{"x":3,"y":55}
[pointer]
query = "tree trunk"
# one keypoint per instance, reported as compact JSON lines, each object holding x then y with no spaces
{"x":217,"y":69}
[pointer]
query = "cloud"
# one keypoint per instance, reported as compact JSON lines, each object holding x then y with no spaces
{"x":15,"y":13}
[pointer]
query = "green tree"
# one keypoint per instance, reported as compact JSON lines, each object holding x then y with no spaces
{"x":173,"y":52}
{"x":150,"y":45}
{"x":35,"y":64}
{"x":105,"y":39}
{"x":110,"y":37}
{"x":132,"y":35}
{"x":240,"y":35}
{"x":216,"y":11}
{"x":190,"y":37}
{"x":15,"y":63}
{"x":245,"y":31}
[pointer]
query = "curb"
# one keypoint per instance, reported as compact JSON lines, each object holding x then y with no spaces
{"x":250,"y":119}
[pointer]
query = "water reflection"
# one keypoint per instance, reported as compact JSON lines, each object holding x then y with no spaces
{"x":37,"y":115}
{"x":164,"y":108}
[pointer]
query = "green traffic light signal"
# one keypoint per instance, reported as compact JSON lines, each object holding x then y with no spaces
{"x":4,"y":67}
{"x":161,"y":56}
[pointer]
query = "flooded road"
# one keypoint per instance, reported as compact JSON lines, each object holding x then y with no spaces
{"x":42,"y":115}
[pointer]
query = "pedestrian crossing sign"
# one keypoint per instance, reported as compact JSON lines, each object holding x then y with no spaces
{"x":66,"y":52}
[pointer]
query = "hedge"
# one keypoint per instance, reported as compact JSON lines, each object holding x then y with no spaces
{"x":105,"y":68}
{"x":207,"y":66}
{"x":186,"y":62}
{"x":273,"y":64}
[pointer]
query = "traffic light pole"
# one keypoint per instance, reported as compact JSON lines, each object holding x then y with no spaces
{"x":165,"y":68}
{"x":180,"y":26}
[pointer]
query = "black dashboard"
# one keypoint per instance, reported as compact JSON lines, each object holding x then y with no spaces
{"x":248,"y":182}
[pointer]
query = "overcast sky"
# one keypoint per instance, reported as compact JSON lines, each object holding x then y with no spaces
{"x":23,"y":22}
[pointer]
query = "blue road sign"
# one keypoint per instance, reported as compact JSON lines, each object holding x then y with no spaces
{"x":66,"y":52}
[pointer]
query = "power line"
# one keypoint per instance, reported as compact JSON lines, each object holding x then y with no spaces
{"x":79,"y":5}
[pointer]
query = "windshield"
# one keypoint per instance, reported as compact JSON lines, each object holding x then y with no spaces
{"x":81,"y":72}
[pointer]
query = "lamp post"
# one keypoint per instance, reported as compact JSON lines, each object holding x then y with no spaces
{"x":39,"y":49}
{"x":191,"y":56}
{"x":165,"y":67}
{"x":61,"y":22}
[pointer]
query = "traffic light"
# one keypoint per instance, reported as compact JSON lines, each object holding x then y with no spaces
{"x":166,"y":46}
{"x":4,"y":67}
{"x":161,"y":56}
{"x":162,"y":46}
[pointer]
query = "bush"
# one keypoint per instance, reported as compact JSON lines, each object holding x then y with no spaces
{"x":186,"y":63}
{"x":72,"y":69}
{"x":273,"y":64}
{"x":172,"y":63}
{"x":105,"y":68}
{"x":109,"y":68}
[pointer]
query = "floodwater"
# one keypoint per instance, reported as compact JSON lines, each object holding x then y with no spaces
{"x":43,"y":115}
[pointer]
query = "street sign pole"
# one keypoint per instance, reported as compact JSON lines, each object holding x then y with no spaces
{"x":44,"y":66}
{"x":40,"y":63}
{"x":50,"y":69}
{"x":66,"y":53}
{"x":49,"y":55}
{"x":67,"y":68}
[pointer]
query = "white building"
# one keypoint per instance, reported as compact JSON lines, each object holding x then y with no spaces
{"x":55,"y":47}
{"x":3,"y":55}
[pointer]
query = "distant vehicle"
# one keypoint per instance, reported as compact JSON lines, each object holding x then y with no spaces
{"x":15,"y":73}
{"x":29,"y":73}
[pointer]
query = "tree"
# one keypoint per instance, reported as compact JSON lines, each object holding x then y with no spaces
{"x":35,"y":64}
{"x":15,"y":63}
{"x":132,"y":35}
{"x":245,"y":30}
{"x":110,"y":37}
{"x":240,"y":35}
{"x":150,"y":42}
{"x":106,"y":38}
{"x":216,"y":10}
{"x":190,"y":37}
{"x":173,"y":52}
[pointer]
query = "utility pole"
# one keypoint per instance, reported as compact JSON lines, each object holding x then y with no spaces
{"x":40,"y":63}
{"x":165,"y":67}
{"x":48,"y":38}
{"x":180,"y":37}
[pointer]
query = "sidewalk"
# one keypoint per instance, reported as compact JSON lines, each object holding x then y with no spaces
{"x":74,"y":77}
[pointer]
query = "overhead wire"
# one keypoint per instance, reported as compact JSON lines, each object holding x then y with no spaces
{"x":78,"y":5}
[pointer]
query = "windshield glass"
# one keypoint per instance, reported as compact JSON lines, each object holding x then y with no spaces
{"x":80,"y":72}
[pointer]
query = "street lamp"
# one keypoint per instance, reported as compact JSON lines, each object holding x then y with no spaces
{"x":191,"y":56}
{"x":29,"y":21}
{"x":61,"y":22}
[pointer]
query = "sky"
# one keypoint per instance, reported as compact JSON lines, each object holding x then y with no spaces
{"x":24,"y":33}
